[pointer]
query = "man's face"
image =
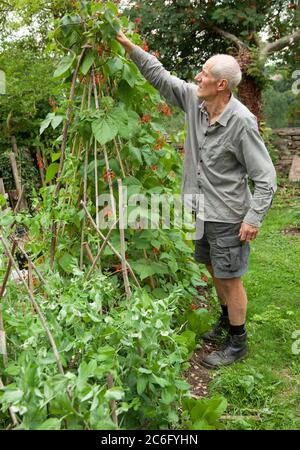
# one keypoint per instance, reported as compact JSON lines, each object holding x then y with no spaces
{"x":207,"y":84}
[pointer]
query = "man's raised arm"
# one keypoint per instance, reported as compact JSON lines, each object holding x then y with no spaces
{"x":175,"y":91}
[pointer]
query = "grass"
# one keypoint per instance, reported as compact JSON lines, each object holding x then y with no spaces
{"x":263,"y":391}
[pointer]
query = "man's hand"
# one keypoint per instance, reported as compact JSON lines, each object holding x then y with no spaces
{"x":123,"y":40}
{"x":248,"y":232}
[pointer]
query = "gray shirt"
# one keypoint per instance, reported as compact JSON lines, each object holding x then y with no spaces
{"x":219,"y":157}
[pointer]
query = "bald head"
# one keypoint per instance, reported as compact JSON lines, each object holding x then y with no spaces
{"x":225,"y":67}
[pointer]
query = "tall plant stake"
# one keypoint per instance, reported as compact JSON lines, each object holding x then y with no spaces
{"x":109,"y":244}
{"x":62,"y":150}
{"x":122,"y":239}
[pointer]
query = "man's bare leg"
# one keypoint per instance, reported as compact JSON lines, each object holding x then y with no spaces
{"x":218,"y":286}
{"x":236,"y":299}
{"x":231,"y":292}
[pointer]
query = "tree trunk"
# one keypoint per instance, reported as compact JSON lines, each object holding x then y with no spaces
{"x":249,"y":91}
{"x":251,"y":96}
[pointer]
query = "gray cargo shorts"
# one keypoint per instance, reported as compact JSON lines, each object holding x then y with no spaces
{"x":222,"y":248}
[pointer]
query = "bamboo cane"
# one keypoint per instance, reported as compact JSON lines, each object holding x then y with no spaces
{"x":41,"y":278}
{"x":96,"y":183}
{"x":68,"y":119}
{"x":122,"y":240}
{"x":105,"y":155}
{"x":112,"y":403}
{"x":102,"y":248}
{"x":2,"y":290}
{"x":112,"y":199}
{"x":75,"y":141}
{"x":84,"y":199}
{"x":150,"y":277}
{"x":63,"y":147}
{"x":8,"y":269}
{"x":109,"y":244}
{"x":118,"y":143}
{"x":88,"y":252}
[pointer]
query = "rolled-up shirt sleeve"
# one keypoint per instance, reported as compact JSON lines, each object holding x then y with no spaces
{"x":175,"y":90}
{"x":254,"y":156}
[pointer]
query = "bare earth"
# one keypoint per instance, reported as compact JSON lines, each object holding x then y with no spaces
{"x":198,"y":376}
{"x":292,"y":230}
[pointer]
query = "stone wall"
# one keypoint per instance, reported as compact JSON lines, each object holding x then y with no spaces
{"x":287,"y":141}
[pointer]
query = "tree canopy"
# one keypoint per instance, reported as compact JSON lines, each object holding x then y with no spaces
{"x":186,"y":32}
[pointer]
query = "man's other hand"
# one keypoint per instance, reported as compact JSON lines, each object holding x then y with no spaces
{"x":248,"y":232}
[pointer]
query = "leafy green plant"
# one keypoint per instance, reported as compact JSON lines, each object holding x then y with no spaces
{"x":97,"y":334}
{"x":203,"y":414}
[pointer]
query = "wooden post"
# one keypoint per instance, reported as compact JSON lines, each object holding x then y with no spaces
{"x":16,"y":208}
{"x":13,"y":162}
{"x":14,"y":145}
{"x":2,"y":189}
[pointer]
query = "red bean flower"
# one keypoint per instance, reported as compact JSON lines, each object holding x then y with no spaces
{"x":146,"y":118}
{"x":108,"y":174}
{"x":156,"y":54}
{"x":100,"y":50}
{"x":193,"y":307}
{"x":164,"y":108}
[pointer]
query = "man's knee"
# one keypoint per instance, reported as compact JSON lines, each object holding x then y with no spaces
{"x":228,"y":284}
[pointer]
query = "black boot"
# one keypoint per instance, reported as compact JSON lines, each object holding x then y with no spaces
{"x":219,"y":331}
{"x":235,"y":350}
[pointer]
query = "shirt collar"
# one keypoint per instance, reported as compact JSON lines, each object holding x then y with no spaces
{"x":226,"y":114}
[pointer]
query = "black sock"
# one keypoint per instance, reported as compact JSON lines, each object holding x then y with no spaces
{"x":237,"y":329}
{"x":224,"y":310}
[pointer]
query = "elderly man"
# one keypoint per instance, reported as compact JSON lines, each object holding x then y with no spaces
{"x":223,"y":147}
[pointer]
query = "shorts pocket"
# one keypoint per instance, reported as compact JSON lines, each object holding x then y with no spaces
{"x":231,"y":247}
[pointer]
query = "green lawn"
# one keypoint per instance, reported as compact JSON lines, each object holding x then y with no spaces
{"x":263,"y":392}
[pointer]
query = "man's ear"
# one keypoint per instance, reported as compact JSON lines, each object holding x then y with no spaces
{"x":222,"y":85}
